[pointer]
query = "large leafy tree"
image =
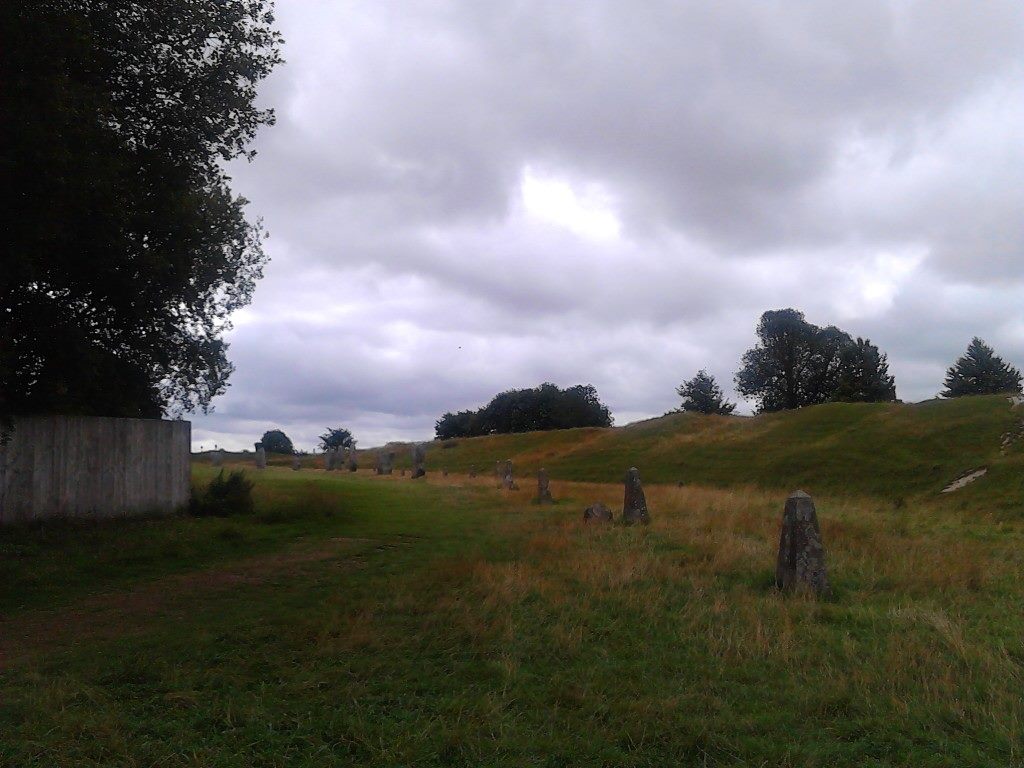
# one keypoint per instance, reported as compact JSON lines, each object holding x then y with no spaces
{"x":792,"y":365}
{"x":796,"y":363}
{"x":981,"y":372}
{"x":701,"y":394}
{"x":276,"y":441}
{"x":337,"y":437}
{"x":125,"y":250}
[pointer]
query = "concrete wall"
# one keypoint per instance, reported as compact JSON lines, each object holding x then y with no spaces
{"x":82,"y":466}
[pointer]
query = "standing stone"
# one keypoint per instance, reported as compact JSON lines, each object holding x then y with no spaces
{"x":419,"y":458}
{"x":444,"y":472}
{"x":330,"y":458}
{"x":385,"y":462}
{"x":634,"y":506}
{"x":216,"y":457}
{"x":507,"y":480}
{"x":353,"y":466}
{"x":472,"y":471}
{"x":296,"y":463}
{"x":801,"y":553}
{"x":597,"y":513}
{"x":261,"y":456}
{"x":543,"y":489}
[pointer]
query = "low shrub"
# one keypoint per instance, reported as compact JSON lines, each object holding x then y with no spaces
{"x":224,"y":496}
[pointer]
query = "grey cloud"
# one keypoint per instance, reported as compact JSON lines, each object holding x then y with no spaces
{"x":858,"y":161}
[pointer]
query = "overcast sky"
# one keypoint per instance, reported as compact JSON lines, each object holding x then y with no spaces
{"x":466,"y":197}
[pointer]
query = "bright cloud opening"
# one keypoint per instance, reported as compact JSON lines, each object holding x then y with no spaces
{"x":586,"y":210}
{"x":875,"y":284}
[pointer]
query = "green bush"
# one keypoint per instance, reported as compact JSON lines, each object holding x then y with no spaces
{"x":224,"y":496}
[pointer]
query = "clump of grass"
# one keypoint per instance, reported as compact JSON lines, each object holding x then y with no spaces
{"x":224,"y":496}
{"x":230,"y":534}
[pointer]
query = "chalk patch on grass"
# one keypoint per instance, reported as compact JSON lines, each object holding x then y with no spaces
{"x":963,"y":480}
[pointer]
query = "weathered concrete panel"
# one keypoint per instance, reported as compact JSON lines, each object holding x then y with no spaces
{"x":83,"y":466}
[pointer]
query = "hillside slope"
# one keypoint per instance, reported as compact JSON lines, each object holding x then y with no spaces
{"x":885,"y":449}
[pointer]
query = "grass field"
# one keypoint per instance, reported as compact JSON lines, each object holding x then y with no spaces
{"x":357,"y":620}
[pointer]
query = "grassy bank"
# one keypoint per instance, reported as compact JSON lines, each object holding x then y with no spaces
{"x":355,"y":620}
{"x":893,"y":451}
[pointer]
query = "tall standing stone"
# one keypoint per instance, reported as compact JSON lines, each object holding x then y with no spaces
{"x":801,"y":553}
{"x":353,"y":466}
{"x":634,"y":505}
{"x":216,"y":457}
{"x":261,"y":456}
{"x":296,"y":463}
{"x":543,"y":489}
{"x":419,"y":458}
{"x":507,"y":479}
{"x":330,"y":458}
{"x":385,"y":461}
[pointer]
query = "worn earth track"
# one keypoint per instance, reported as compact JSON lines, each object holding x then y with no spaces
{"x":115,"y":614}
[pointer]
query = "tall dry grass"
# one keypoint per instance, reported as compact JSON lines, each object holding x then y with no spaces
{"x":912,"y":623}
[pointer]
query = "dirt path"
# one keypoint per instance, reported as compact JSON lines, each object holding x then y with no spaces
{"x":116,"y":614}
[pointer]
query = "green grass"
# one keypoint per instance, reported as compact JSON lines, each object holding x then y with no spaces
{"x":355,"y":620}
{"x":890,"y":450}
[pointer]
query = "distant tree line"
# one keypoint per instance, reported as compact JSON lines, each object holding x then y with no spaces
{"x":276,"y":441}
{"x":529,"y":410}
{"x":796,"y":363}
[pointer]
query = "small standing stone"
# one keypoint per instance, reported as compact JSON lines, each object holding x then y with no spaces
{"x":352,"y":465}
{"x":296,"y":463}
{"x":801,"y":552}
{"x":419,"y":458}
{"x":217,"y":457}
{"x":634,"y":505}
{"x":597,"y":513}
{"x":507,"y":480}
{"x":261,"y":456}
{"x":444,"y":472}
{"x":330,"y":458}
{"x":472,"y":471}
{"x":543,"y":488}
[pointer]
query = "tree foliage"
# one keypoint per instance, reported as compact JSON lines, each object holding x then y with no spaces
{"x":701,"y":394}
{"x":864,"y":374}
{"x":980,"y":371}
{"x":126,"y":250}
{"x":796,"y":363}
{"x":337,"y":437}
{"x":276,"y":441}
{"x":528,"y":410}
